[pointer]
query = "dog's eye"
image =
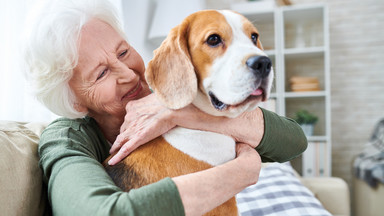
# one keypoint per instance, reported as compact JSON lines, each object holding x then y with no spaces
{"x":214,"y":40}
{"x":254,"y":38}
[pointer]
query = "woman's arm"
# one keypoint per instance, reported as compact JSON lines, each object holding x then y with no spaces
{"x":246,"y":128}
{"x":202,"y":191}
{"x":71,"y":153}
{"x":78,"y":184}
{"x":276,"y":138}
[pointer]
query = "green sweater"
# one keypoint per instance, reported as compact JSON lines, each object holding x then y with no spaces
{"x":71,"y":152}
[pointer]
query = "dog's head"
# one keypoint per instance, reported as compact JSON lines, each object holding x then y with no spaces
{"x":215,"y":60}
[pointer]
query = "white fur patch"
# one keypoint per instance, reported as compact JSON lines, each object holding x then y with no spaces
{"x":209,"y":147}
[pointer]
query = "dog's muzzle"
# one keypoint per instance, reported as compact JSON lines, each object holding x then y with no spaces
{"x":259,"y":65}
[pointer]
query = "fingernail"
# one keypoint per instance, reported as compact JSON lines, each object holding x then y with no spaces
{"x":111,"y":162}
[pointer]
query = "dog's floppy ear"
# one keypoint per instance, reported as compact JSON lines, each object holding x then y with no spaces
{"x":170,"y":73}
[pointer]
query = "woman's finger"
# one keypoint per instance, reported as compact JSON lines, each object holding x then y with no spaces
{"x":120,"y":140}
{"x":129,"y":146}
{"x":124,"y":151}
{"x":139,"y":137}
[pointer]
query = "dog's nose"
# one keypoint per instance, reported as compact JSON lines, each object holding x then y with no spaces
{"x":260,"y":65}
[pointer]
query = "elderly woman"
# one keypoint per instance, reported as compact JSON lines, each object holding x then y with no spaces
{"x":84,"y":70}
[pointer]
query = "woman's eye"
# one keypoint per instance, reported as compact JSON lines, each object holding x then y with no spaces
{"x":214,"y":40}
{"x":122,"y":54}
{"x":254,"y":38}
{"x":102,"y":74}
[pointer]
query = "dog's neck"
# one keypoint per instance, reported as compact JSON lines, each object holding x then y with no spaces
{"x":213,"y":148}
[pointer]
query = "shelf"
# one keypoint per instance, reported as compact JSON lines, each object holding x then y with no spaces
{"x":305,"y":94}
{"x":317,"y":139}
{"x":306,"y":52}
{"x":301,"y":13}
{"x":304,"y":28}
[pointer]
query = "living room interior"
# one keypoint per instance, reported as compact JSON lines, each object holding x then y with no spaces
{"x":327,"y":57}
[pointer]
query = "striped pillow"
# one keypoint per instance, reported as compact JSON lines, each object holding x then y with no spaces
{"x":279,"y":193}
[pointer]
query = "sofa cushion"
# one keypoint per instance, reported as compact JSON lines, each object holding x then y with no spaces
{"x":279,"y":192}
{"x":21,"y":188}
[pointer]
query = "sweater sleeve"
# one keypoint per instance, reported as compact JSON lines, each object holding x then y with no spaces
{"x":77,"y":183}
{"x":283,"y":139}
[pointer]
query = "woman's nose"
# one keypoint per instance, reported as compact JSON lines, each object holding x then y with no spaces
{"x":124,"y":74}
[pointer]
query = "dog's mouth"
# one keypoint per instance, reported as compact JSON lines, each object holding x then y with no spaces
{"x":219,"y":105}
{"x":259,"y":93}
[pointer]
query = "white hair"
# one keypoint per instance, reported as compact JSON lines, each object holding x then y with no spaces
{"x":51,"y":49}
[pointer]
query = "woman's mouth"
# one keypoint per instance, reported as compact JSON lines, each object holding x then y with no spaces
{"x":133,"y":92}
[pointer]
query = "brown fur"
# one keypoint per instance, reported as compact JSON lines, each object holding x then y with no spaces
{"x":157,"y":160}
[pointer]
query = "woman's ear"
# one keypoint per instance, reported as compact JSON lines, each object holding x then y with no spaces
{"x":170,"y":73}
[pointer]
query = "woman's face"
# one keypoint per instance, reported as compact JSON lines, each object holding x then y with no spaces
{"x":109,"y":72}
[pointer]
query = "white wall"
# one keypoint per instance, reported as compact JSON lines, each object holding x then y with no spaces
{"x":137,"y":20}
{"x":16,"y":101}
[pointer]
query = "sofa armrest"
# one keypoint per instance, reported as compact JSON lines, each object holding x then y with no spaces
{"x":21,"y":189}
{"x":332,"y":192}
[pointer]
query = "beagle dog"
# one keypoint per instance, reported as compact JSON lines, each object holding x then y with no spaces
{"x":214,"y":60}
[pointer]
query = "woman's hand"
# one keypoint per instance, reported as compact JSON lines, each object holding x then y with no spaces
{"x":250,"y":161}
{"x":145,"y":120}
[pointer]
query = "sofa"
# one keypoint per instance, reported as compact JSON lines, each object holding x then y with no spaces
{"x":368,"y":181}
{"x":367,"y":200}
{"x":22,"y":191}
